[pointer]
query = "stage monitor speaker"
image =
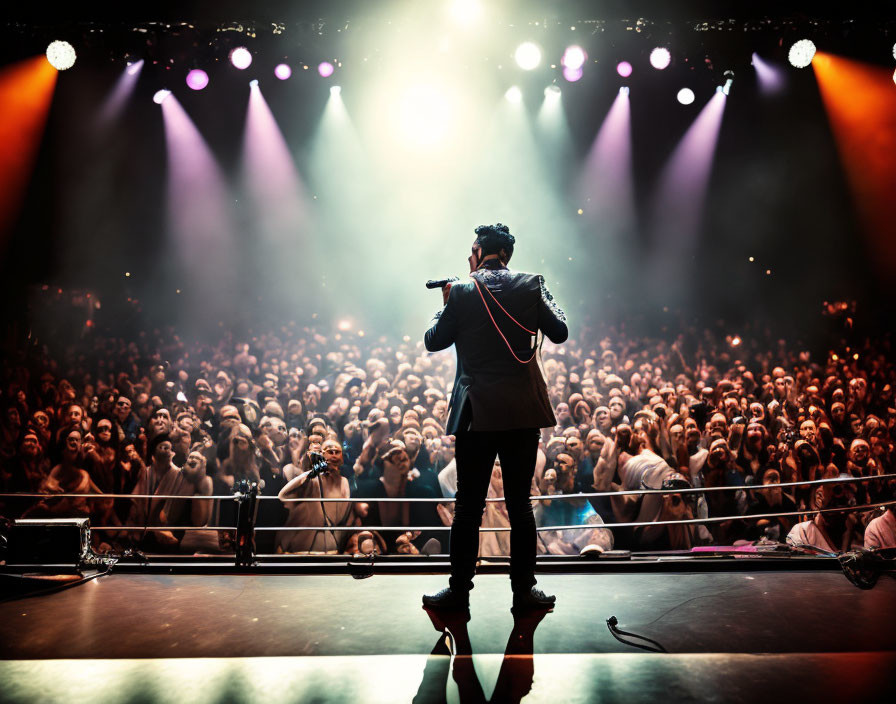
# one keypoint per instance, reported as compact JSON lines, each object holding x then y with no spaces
{"x":49,"y":541}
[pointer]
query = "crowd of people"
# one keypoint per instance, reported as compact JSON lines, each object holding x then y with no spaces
{"x":360,"y":421}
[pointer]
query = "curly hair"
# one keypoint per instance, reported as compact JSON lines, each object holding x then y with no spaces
{"x":495,"y":238}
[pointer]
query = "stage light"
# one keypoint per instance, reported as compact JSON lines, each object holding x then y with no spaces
{"x":685,"y":96}
{"x":624,"y":90}
{"x":514,"y":94}
{"x":572,"y":74}
{"x":160,"y":96}
{"x":197,"y":79}
{"x":344,"y":325}
{"x":894,"y":76}
{"x":283,"y":71}
{"x":134,"y":67}
{"x":729,"y":81}
{"x":61,"y":55}
{"x":528,"y":56}
{"x":335,"y":90}
{"x":801,"y":53}
{"x":552,"y":92}
{"x":660,"y":58}
{"x":241,"y":58}
{"x":574,"y":57}
{"x":325,"y":69}
{"x":624,"y":69}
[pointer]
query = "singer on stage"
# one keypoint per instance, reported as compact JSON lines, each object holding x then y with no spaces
{"x":499,"y":403}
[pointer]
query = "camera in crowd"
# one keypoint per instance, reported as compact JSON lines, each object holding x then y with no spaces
{"x":318,"y":464}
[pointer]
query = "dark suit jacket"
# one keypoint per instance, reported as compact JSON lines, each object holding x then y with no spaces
{"x":492,"y":390}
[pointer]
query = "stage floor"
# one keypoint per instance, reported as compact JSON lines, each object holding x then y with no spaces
{"x":730,"y":637}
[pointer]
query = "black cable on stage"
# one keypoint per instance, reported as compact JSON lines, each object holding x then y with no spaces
{"x":57,"y":588}
{"x":612,"y":623}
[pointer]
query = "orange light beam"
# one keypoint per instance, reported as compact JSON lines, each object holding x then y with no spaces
{"x":26,"y":90}
{"x":860,"y":100}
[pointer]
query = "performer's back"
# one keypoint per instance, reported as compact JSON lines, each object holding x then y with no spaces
{"x":497,"y":386}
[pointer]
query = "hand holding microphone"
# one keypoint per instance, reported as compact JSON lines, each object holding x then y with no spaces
{"x":444,"y":284}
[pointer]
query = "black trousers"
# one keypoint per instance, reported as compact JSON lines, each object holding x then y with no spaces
{"x":475,"y":453}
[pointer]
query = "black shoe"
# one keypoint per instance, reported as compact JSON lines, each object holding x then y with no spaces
{"x":447,"y":600}
{"x":533,"y":600}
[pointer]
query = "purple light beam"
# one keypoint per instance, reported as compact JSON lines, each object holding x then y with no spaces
{"x":606,"y":187}
{"x":270,"y":175}
{"x":124,"y":88}
{"x":199,"y":213}
{"x":771,"y":79}
{"x":681,"y":193}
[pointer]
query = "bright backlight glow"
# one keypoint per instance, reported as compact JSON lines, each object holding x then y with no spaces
{"x":572,"y":74}
{"x":424,"y":115}
{"x":241,"y":58}
{"x":528,"y":56}
{"x":514,"y":94}
{"x":61,"y":55}
{"x":624,"y":69}
{"x":685,"y":96}
{"x":160,"y":96}
{"x":197,"y":79}
{"x":574,"y":58}
{"x":465,"y":11}
{"x":801,"y":53}
{"x":325,"y":69}
{"x":660,"y":58}
{"x":283,"y":71}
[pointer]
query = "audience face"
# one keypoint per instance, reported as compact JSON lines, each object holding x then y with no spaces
{"x":194,"y":468}
{"x":122,"y":408}
{"x":160,"y":422}
{"x":616,"y":408}
{"x":104,"y":432}
{"x":808,"y":431}
{"x":163,"y":453}
{"x":30,"y":447}
{"x":72,"y":448}
{"x":398,"y":462}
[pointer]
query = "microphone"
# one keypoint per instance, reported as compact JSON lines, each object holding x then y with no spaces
{"x":440,"y":283}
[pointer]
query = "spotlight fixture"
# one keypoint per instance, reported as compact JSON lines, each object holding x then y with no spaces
{"x":552,"y":91}
{"x":514,"y":94}
{"x":160,"y":96}
{"x":624,"y":90}
{"x":660,"y":58}
{"x":241,"y":58}
{"x":573,"y":58}
{"x":894,"y":51}
{"x":528,"y":56}
{"x":134,"y":67}
{"x":253,"y":83}
{"x":335,"y":90}
{"x":729,"y":81}
{"x":624,"y":69}
{"x":197,"y":79}
{"x":282,"y":71}
{"x":61,"y":55}
{"x":685,"y":96}
{"x":801,"y":53}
